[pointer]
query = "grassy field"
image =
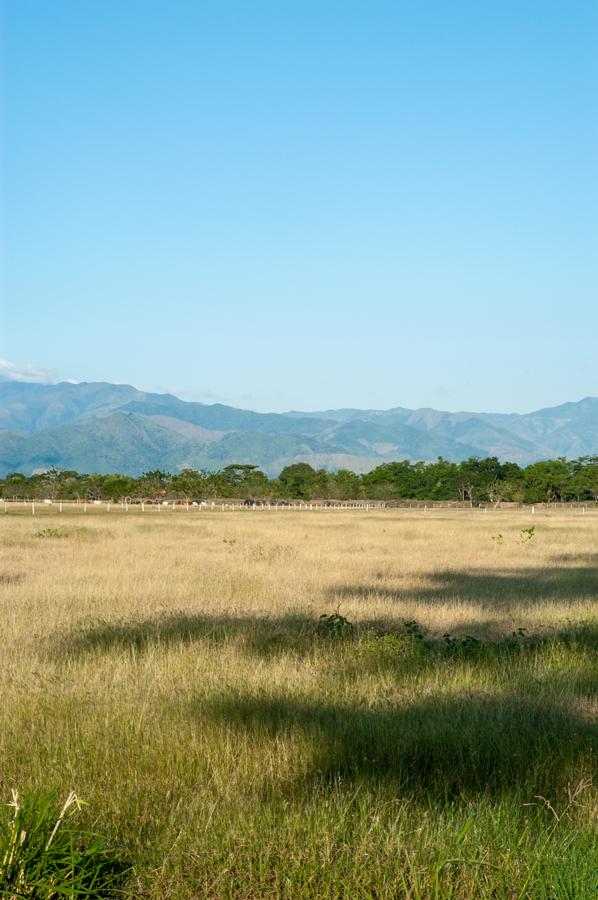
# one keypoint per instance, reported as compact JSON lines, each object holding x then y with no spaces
{"x":173,"y":670}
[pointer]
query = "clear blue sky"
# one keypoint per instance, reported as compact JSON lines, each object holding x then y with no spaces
{"x":304,"y":204}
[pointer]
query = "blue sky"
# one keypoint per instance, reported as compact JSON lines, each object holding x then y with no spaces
{"x":304,"y":204}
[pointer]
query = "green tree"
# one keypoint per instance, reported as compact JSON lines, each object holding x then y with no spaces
{"x":244,"y":480}
{"x":154,"y":484}
{"x":188,"y":484}
{"x":342,"y":485}
{"x":546,"y":481}
{"x":583,"y":479}
{"x":115,"y":487}
{"x":298,"y":480}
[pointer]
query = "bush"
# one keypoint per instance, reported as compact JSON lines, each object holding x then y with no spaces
{"x":335,"y":626}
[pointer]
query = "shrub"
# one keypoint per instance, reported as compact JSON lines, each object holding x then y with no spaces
{"x":335,"y":626}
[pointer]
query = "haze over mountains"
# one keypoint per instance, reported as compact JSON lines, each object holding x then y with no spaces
{"x":101,"y":427}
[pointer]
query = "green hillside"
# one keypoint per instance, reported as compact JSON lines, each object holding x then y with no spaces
{"x":105,"y":428}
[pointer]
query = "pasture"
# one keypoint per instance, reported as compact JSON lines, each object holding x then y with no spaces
{"x":435,"y":737}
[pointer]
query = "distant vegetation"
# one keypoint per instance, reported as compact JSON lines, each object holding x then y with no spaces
{"x":475,"y":480}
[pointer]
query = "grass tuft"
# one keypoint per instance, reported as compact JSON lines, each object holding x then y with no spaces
{"x":43,"y":856}
{"x":50,"y":533}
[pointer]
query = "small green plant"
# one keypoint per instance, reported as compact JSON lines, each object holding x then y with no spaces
{"x":49,"y":533}
{"x":43,"y":857}
{"x":462,"y":647}
{"x":498,"y":538}
{"x":335,"y":626}
{"x":385,"y":649}
{"x":415,"y":631}
{"x":527,"y":534}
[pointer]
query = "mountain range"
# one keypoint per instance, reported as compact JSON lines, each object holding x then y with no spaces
{"x":101,"y":427}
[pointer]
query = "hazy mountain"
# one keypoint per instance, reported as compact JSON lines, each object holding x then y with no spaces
{"x":391,"y":441}
{"x":115,"y":427}
{"x":222,"y":418}
{"x":35,"y":407}
{"x":127,"y":442}
{"x":397,"y":414}
{"x":114,"y":443}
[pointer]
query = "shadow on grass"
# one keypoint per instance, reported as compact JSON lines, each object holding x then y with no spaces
{"x":258,"y":634}
{"x":376,"y":642}
{"x":582,"y":635}
{"x":531,"y":736}
{"x":445,"y":747}
{"x":589,"y":559}
{"x":567,"y":585}
{"x":369,"y":646}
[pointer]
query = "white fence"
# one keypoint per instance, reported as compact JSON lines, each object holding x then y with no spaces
{"x":37,"y":507}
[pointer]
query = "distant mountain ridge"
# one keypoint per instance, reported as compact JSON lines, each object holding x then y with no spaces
{"x":105,"y":427}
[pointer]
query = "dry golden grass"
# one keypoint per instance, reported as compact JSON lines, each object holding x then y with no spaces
{"x":164,"y":667}
{"x":442,"y":568}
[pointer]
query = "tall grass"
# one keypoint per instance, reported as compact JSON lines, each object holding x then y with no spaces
{"x":277,"y":704}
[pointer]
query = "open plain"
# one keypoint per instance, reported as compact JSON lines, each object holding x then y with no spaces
{"x":435,"y":736}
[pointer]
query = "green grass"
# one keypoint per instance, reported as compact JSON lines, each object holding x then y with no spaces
{"x":43,"y":856}
{"x":477,"y":786}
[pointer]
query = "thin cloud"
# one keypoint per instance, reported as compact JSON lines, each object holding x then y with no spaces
{"x":31,"y":374}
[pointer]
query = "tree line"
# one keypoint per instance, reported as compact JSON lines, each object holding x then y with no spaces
{"x":475,"y":480}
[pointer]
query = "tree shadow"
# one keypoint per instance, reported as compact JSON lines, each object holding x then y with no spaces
{"x":534,"y":736}
{"x":579,"y":634}
{"x":376,"y":645}
{"x":588,"y":559}
{"x":489,"y":590}
{"x":258,"y":634}
{"x":444,"y":747}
